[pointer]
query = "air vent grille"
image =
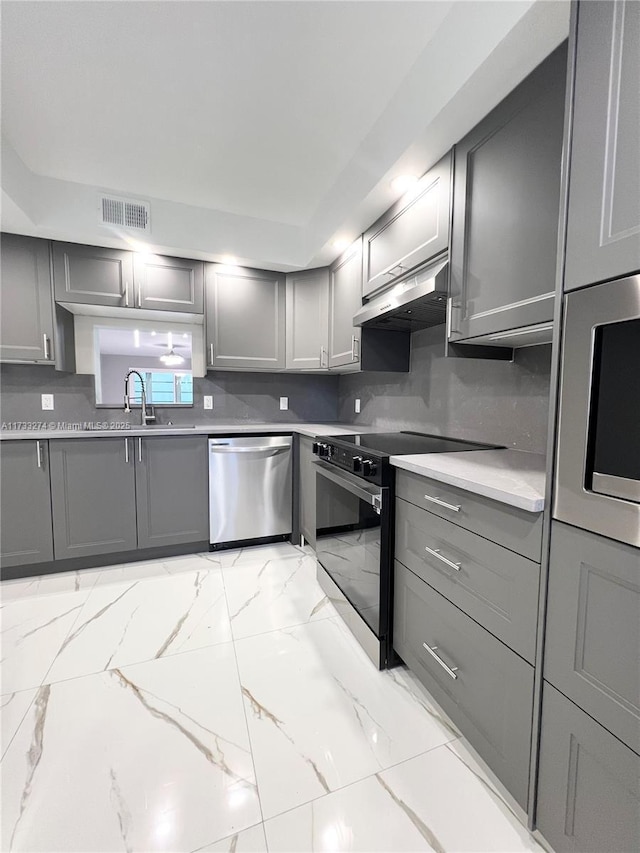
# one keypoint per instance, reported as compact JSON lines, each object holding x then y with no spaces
{"x":124,"y":213}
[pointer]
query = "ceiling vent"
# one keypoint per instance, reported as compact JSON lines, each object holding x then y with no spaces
{"x":125,"y":213}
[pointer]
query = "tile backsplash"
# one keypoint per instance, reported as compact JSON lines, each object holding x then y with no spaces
{"x":475,"y":399}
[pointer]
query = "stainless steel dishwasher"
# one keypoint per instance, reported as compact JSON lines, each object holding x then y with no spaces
{"x":250,"y":489}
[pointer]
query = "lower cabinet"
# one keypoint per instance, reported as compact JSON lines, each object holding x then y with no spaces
{"x":588,"y":785}
{"x":119,"y":494}
{"x":171,"y":490}
{"x":25,"y":521}
{"x":484,"y":687}
{"x":307,"y":490}
{"x":93,"y":496}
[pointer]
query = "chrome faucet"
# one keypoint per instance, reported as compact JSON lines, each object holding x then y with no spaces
{"x":146,"y":411}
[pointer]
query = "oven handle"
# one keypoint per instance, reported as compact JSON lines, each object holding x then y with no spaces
{"x":373,"y":495}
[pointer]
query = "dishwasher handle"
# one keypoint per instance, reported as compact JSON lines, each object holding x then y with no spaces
{"x":227,"y":448}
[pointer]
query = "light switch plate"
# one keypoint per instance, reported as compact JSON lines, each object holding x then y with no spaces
{"x":208,"y":402}
{"x":284,"y":404}
{"x":47,"y":402}
{"x":357,"y":406}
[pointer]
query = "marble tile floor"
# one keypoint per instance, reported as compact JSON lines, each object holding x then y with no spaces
{"x":217,"y":703}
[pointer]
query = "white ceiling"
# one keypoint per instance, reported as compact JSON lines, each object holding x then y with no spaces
{"x":146,"y":343}
{"x":258,"y":129}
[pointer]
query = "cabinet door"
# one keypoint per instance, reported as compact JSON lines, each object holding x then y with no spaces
{"x":169,"y":284}
{"x":345,"y":298}
{"x":92,"y":275}
{"x":592,"y":647}
{"x":506,"y":200}
{"x":245,"y":318}
{"x":93,"y":495}
{"x":26,"y":320}
{"x":172,"y":490}
{"x":603,"y":226}
{"x":486,"y":689}
{"x":25,"y":521}
{"x":588,"y":784}
{"x":415,"y":229}
{"x":308,"y":320}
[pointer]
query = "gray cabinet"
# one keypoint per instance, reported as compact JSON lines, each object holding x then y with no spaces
{"x":497,"y":588}
{"x":486,"y":689}
{"x":592,"y":647}
{"x":603,"y":225}
{"x":345,"y":298}
{"x":413,"y":230}
{"x":307,"y":323}
{"x":589,"y":783}
{"x":307,"y":489}
{"x":93,"y":496}
{"x":25,"y":521}
{"x":171,"y":490}
{"x":245,"y":317}
{"x":92,"y":275}
{"x":26,"y":320}
{"x":168,"y":284}
{"x":514,"y":528}
{"x":506,"y":209}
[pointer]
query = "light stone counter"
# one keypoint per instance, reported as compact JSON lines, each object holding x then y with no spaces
{"x":514,"y":477}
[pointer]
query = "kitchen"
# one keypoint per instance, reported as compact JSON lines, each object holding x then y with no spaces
{"x":319,"y":521}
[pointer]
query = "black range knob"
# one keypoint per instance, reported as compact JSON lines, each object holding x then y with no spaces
{"x":368,"y":467}
{"x":356,"y":464}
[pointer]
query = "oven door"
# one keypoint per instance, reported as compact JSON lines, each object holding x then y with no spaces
{"x":598,"y":451}
{"x":352,"y":542}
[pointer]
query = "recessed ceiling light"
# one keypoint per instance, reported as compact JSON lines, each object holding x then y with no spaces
{"x":404,"y":182}
{"x":340,"y":243}
{"x":153,"y":333}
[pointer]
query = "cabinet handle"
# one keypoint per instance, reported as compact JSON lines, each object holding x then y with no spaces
{"x":211,"y":354}
{"x":139,"y":449}
{"x":450,"y":670}
{"x":39,"y":454}
{"x":126,"y":294}
{"x":450,"y":329}
{"x":47,"y":354}
{"x":355,"y":348}
{"x":323,"y":357}
{"x":140,"y":296}
{"x":454,"y":507}
{"x":126,"y":450}
{"x":436,"y":553}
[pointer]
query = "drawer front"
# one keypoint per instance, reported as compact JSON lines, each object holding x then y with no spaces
{"x":588,"y":784}
{"x":490,"y":698}
{"x":497,"y":588}
{"x":516,"y":529}
{"x":592,"y":648}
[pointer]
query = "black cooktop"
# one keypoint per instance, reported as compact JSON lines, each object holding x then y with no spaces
{"x":407,"y":443}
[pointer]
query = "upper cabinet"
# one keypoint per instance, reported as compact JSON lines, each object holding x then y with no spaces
{"x":26,"y":320}
{"x":413,"y":230}
{"x":603,"y":224}
{"x":169,"y":284}
{"x":506,"y":200}
{"x":308,"y":320}
{"x":245,"y":318}
{"x":345,"y":297}
{"x":92,"y":275}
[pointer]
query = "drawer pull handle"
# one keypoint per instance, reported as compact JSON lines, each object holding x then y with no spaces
{"x":454,"y":507}
{"x":436,"y":553}
{"x":450,"y":670}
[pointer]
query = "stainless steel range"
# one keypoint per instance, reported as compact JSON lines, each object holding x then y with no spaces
{"x":355,"y":496}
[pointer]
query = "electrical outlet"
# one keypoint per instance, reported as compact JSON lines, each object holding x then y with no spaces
{"x":356,"y":407}
{"x":47,"y":402}
{"x":284,"y":404}
{"x":208,"y":402}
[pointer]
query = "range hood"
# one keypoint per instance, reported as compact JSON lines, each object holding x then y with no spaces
{"x":416,"y":302}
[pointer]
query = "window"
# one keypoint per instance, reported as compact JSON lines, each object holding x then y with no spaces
{"x":163,"y":387}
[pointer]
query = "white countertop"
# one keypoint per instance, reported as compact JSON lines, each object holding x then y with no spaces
{"x":514,"y":477}
{"x":308,"y":429}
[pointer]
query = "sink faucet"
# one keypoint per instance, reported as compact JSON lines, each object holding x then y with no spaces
{"x":146,"y":411}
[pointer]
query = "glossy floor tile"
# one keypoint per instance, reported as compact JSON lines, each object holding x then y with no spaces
{"x":217,"y":702}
